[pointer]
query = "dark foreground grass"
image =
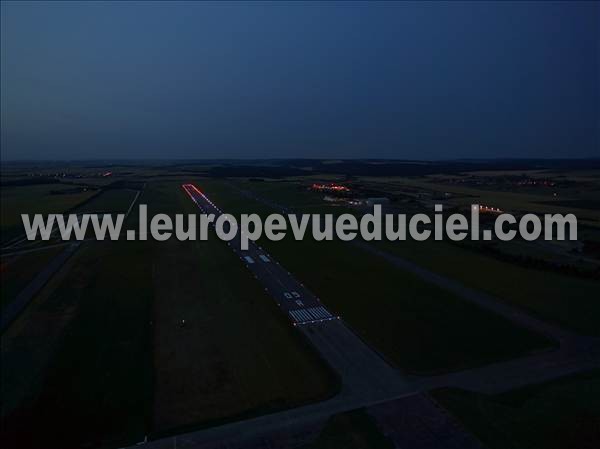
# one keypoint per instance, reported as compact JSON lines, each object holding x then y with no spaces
{"x":560,"y":414}
{"x":418,"y":326}
{"x":97,"y":389}
{"x":17,"y":271}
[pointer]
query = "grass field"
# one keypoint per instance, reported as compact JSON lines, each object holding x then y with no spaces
{"x":29,"y":343}
{"x":236,"y":354}
{"x":105,"y":351}
{"x":565,"y":300}
{"x":418,"y":326}
{"x":284,"y":192}
{"x":110,"y":200}
{"x":35,"y":199}
{"x":100,"y":373}
{"x":556,"y":415}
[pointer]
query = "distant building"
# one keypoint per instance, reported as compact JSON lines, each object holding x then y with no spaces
{"x":373,"y":201}
{"x":489,"y":209}
{"x":340,"y":200}
{"x":332,"y":187}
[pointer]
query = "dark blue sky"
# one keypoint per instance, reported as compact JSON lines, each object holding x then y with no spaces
{"x":199,"y":80}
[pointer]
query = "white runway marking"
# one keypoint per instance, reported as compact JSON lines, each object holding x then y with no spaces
{"x":310,"y":315}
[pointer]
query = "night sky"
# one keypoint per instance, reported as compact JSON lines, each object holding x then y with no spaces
{"x":84,"y":80}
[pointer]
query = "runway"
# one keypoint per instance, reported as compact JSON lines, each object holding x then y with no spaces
{"x":362,"y":370}
{"x":298,"y":303}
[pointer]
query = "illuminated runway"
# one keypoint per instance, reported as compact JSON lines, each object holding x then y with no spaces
{"x":300,"y":305}
{"x":363,"y":371}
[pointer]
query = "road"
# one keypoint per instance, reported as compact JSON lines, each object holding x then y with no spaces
{"x":20,"y":303}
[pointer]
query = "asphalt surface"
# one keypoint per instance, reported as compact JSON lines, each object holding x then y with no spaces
{"x":418,"y":422}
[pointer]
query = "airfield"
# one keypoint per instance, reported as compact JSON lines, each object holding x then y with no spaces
{"x":295,"y":344}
